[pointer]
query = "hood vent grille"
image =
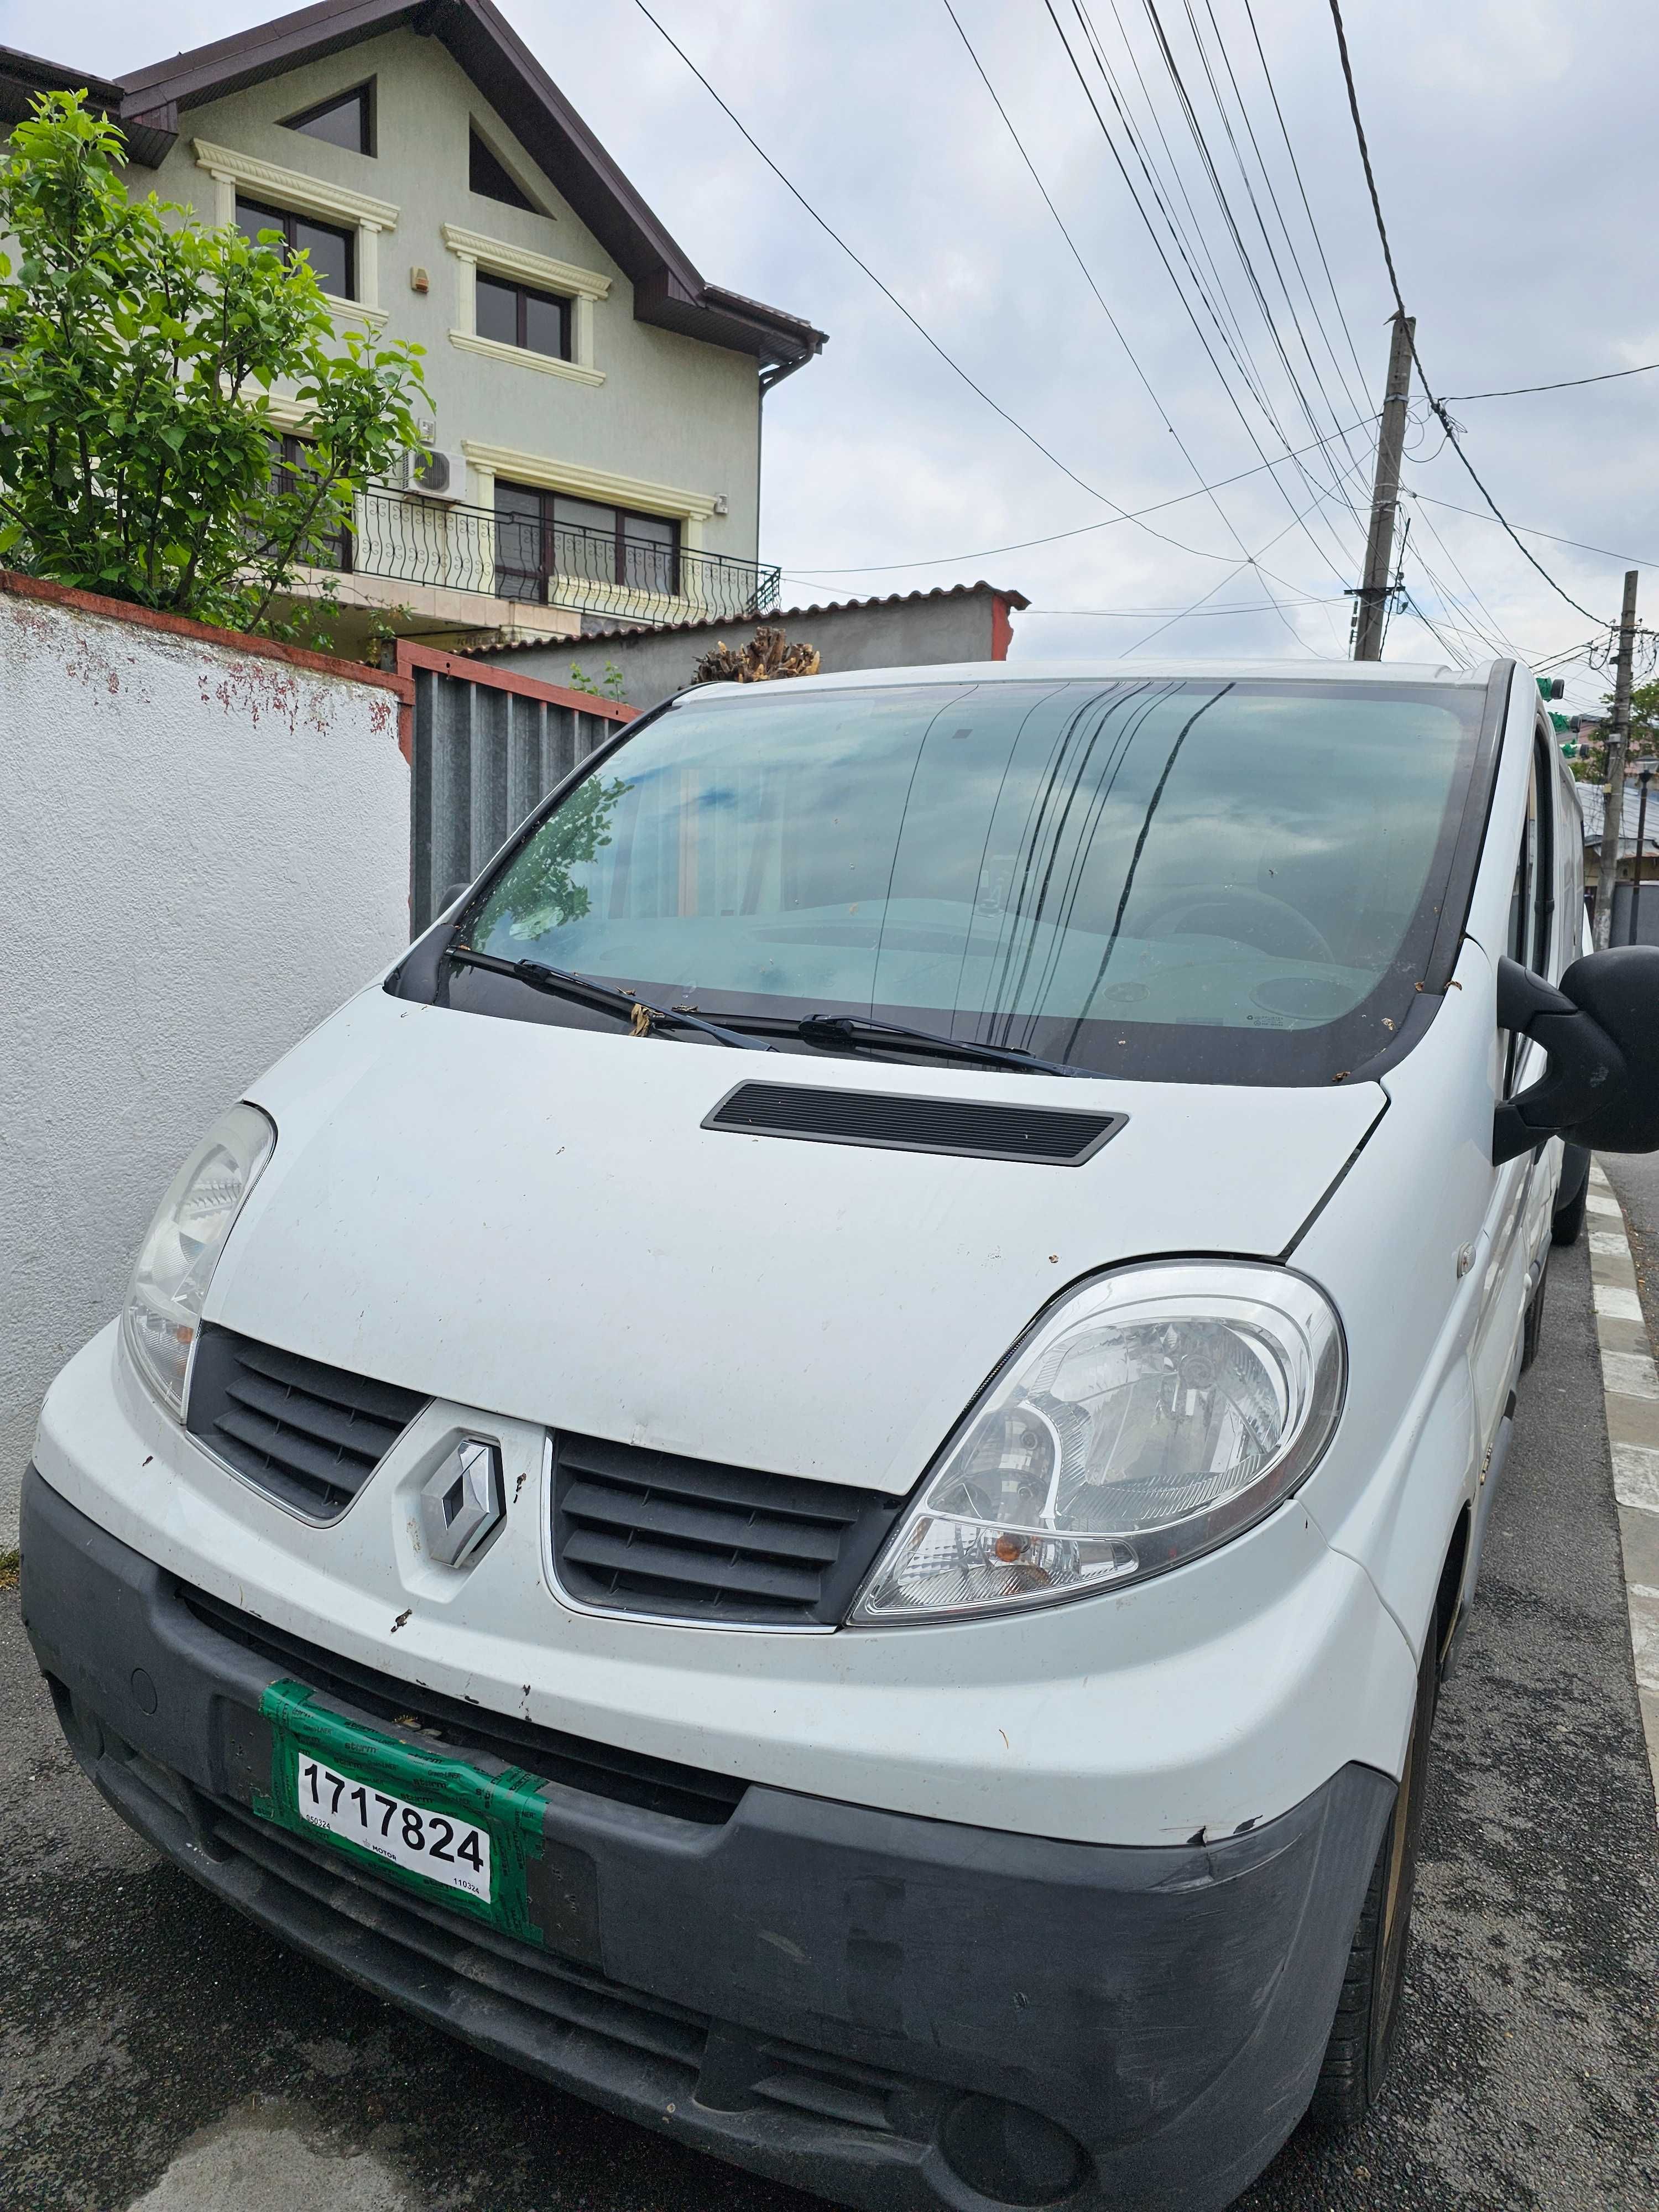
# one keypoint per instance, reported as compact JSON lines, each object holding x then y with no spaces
{"x":970,"y":1128}
{"x":307,"y":1435}
{"x":646,"y":1532}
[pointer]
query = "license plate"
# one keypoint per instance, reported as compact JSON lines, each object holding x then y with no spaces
{"x":416,"y":1837}
{"x":425,"y":1818}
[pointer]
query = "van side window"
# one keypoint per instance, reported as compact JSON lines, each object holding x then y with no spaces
{"x":1522,"y":940}
{"x":1532,"y":897}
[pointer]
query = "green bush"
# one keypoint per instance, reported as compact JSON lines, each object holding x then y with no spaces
{"x":137,"y":353}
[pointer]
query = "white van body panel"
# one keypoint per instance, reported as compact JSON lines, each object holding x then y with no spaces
{"x":1387,"y":1248}
{"x":1217,"y":1695}
{"x":530,"y":1218}
{"x":528,"y":1222}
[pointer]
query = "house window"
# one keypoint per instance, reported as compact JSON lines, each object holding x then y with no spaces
{"x":487,"y":175}
{"x":334,"y":252}
{"x":291,"y":468}
{"x":541,"y":536}
{"x":346,"y":118}
{"x":514,"y":315}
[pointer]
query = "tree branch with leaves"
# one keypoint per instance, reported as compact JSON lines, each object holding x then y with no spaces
{"x":139,"y":352}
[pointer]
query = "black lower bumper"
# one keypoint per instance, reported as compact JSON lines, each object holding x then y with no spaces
{"x":894,"y":2012}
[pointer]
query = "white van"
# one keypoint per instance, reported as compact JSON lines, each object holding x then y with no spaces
{"x":880,"y":1614}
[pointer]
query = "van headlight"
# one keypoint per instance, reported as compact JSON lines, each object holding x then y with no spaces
{"x":1148,"y":1417}
{"x":175,"y":1263}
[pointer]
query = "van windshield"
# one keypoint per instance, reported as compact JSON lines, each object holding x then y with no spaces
{"x":1236,"y":880}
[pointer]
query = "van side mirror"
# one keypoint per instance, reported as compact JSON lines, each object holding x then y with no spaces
{"x":1601,"y":1031}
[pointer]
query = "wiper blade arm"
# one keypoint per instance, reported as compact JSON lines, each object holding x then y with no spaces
{"x":566,"y":983}
{"x":850,"y":1029}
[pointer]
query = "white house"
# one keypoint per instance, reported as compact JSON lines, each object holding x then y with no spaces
{"x":596,"y":402}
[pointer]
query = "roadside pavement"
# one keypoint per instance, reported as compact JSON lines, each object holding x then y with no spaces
{"x":155,"y":2052}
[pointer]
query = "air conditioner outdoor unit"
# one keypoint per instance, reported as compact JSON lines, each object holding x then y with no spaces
{"x":435,"y":475}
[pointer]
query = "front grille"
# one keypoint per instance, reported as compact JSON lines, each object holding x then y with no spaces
{"x":1054,"y":1136}
{"x":639,"y":1531}
{"x":629,"y":1778}
{"x":306,"y":1434}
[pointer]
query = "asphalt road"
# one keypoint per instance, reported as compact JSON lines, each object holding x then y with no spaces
{"x":157,"y":2052}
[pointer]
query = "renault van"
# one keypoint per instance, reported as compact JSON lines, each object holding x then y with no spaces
{"x":814,"y":1474}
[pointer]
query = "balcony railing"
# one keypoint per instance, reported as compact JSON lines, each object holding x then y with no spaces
{"x":472,"y":549}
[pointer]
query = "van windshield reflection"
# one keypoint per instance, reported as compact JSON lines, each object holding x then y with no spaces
{"x":1069,"y":868}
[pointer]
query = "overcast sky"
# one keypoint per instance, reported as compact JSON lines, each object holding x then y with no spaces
{"x":1514,"y":146}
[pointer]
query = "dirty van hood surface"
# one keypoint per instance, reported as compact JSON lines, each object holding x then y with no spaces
{"x":528,"y":1219}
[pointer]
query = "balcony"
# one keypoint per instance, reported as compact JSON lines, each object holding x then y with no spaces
{"x":475,"y":569}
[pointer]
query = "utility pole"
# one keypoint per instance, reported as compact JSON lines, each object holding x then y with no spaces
{"x":1374,"y":590}
{"x":1612,"y":815}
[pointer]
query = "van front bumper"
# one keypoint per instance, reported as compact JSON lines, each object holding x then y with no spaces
{"x":891,"y":2011}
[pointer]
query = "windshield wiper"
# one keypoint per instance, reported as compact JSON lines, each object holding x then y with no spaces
{"x":851,"y":1031}
{"x":565,"y":983}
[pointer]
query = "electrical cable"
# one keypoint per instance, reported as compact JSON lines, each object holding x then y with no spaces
{"x":1187,"y":612}
{"x":921,"y":328}
{"x":1083,"y":530}
{"x":1157,"y":245}
{"x":1142,"y":614}
{"x":1528,"y":530}
{"x":1089,"y":277}
{"x":1567,"y":383}
{"x":1296,"y":166}
{"x":1195,"y":131}
{"x":1284,"y":226}
{"x":1438,"y":406}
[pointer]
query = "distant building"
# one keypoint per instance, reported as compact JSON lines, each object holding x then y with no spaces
{"x":597,"y":403}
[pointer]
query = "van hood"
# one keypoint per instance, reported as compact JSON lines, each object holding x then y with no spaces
{"x":530,"y":1220}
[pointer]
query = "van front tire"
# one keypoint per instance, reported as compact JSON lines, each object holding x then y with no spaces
{"x":1567,"y":1222}
{"x":1363,"y":2036}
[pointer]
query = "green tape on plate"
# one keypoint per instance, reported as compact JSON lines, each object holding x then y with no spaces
{"x":507,"y":1806}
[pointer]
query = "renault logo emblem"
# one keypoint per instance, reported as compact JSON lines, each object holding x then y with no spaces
{"x":461,"y":1502}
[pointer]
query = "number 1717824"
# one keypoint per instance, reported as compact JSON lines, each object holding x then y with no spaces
{"x":427,"y":1843}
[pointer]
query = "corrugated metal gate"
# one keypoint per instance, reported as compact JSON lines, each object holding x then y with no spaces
{"x":487,"y":746}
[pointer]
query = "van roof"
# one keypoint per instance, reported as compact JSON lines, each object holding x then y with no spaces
{"x":1010,"y":671}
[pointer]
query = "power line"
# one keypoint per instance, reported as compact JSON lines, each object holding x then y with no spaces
{"x":1567,"y":383}
{"x":1089,"y":277}
{"x":1083,"y":530}
{"x":1141,"y":614}
{"x":1206,"y":160}
{"x":1296,"y":166}
{"x":1632,"y":560}
{"x":886,"y":291}
{"x":1157,"y":245}
{"x":1394,"y":279}
{"x":1504,"y":643}
{"x":1198,"y":604}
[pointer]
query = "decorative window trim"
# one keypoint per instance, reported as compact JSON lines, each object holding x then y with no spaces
{"x":489,"y":461}
{"x":583,"y":288}
{"x":539,"y":271}
{"x":303,"y":194}
{"x":281,"y":413}
{"x":523,"y":357}
{"x":354,"y":310}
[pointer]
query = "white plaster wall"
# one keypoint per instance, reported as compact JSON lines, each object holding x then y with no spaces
{"x":203,"y":851}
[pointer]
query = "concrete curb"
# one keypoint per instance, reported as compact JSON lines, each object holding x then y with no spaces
{"x":1630,"y":1385}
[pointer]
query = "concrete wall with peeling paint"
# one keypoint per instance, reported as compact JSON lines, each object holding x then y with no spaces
{"x":203,"y":850}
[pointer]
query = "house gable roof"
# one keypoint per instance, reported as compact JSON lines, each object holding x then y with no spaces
{"x":668,"y":288}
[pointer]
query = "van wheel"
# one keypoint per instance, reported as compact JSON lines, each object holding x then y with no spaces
{"x":1357,"y":2057}
{"x":1567,"y":1222}
{"x":1532,"y":1328}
